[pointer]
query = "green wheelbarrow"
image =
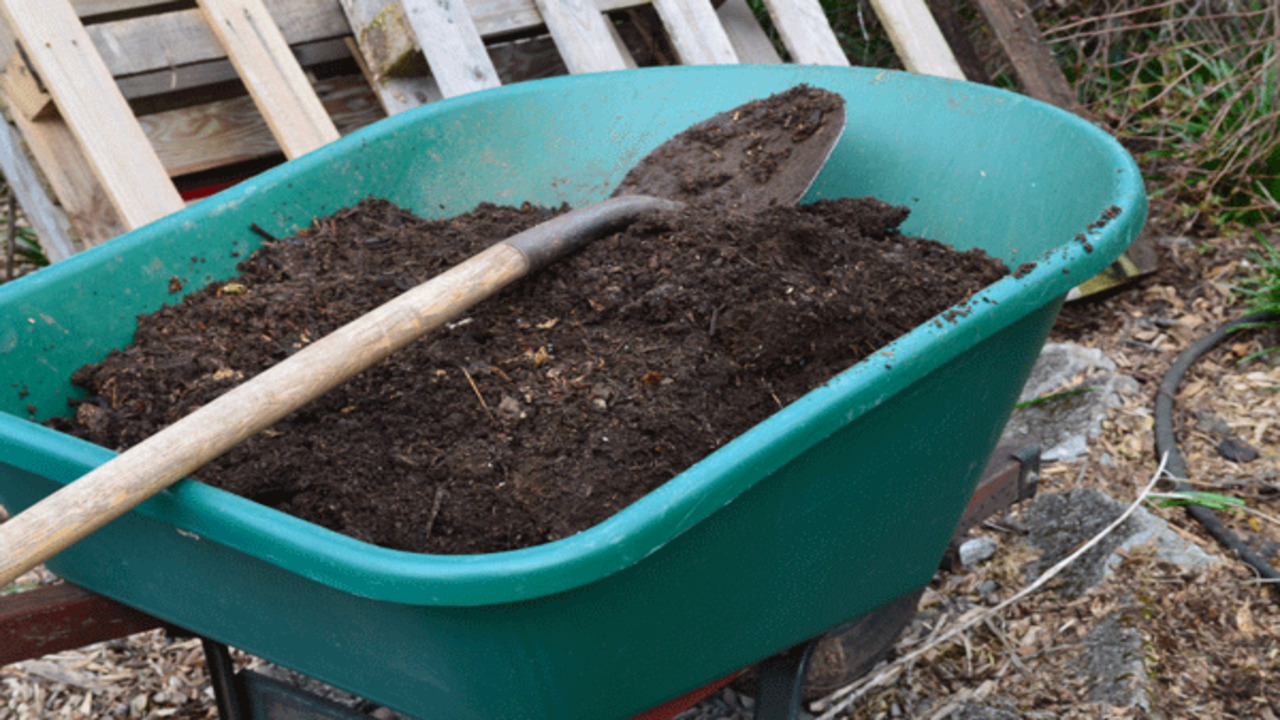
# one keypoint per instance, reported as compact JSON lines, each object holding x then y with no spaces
{"x":839,"y":504}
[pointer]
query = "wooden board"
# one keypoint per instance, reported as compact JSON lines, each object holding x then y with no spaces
{"x":1038,"y":73}
{"x":88,"y":8}
{"x":176,"y":78}
{"x":805,"y":32}
{"x":36,"y":206}
{"x":65,"y":168}
{"x":395,"y":94}
{"x":452,"y":45}
{"x":157,"y":42}
{"x":161,"y":42}
{"x":582,"y":35}
{"x":916,"y":38}
{"x":386,"y":41}
{"x":957,"y":37}
{"x":211,"y":135}
{"x":749,"y":39}
{"x":272,"y":75}
{"x":94,"y":109}
{"x":23,"y":92}
{"x":695,"y":32}
{"x":53,"y":618}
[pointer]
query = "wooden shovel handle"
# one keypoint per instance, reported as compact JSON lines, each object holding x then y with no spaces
{"x":77,"y":509}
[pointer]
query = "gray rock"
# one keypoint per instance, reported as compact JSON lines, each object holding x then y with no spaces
{"x":1237,"y":450}
{"x":1229,"y":446}
{"x":1169,"y":545}
{"x":1113,"y":664}
{"x":1209,"y":423}
{"x":1058,"y":523}
{"x":975,"y":550}
{"x":1062,"y":426}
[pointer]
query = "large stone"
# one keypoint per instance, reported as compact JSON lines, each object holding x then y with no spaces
{"x":976,"y":550}
{"x":1062,"y":425}
{"x":1169,"y":546}
{"x":1113,"y":664}
{"x":1058,"y":523}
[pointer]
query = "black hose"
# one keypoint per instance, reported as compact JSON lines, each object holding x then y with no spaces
{"x":1167,"y":443}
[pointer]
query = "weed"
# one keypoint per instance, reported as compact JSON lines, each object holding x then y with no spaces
{"x":1192,"y":88}
{"x":1260,"y":291}
{"x":26,"y":246}
{"x":1051,"y":397}
{"x":17,"y":588}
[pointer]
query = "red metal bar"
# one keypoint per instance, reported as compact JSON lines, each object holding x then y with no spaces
{"x":53,"y":618}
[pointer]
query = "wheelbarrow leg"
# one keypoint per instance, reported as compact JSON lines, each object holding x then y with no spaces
{"x":247,"y":695}
{"x":780,"y":683}
{"x":222,"y":675}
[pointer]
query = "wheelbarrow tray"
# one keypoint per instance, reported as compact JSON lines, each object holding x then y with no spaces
{"x":838,"y":504}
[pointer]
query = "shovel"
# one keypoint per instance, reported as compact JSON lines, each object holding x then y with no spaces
{"x":764,"y":152}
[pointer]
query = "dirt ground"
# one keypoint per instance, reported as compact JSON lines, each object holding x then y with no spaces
{"x":1205,"y":642}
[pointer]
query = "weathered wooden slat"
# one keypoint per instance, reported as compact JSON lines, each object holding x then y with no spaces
{"x":953,"y":30}
{"x":161,"y":42}
{"x":396,"y":67}
{"x":695,"y":32}
{"x":271,"y":74}
{"x":211,"y":135}
{"x":66,"y":169}
{"x":23,"y":92}
{"x":744,"y":31}
{"x":94,"y":109}
{"x":805,"y":32}
{"x":25,"y":185}
{"x":581,"y":35}
{"x":88,"y":8}
{"x":621,"y":44}
{"x":1038,"y":73}
{"x":180,"y":77}
{"x":452,"y":45}
{"x":157,"y":42}
{"x":395,"y":94}
{"x":916,"y":38}
{"x":384,"y":45}
{"x":53,"y":618}
{"x":384,"y":37}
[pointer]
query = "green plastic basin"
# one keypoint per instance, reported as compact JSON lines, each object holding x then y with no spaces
{"x":837,"y":504}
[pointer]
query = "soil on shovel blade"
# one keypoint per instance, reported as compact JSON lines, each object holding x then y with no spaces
{"x":549,"y":407}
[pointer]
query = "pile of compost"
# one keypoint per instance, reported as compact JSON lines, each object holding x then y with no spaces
{"x":549,"y":407}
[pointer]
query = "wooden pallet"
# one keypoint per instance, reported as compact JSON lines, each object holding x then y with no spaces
{"x":125,"y":104}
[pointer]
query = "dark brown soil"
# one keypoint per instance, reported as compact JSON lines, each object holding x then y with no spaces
{"x":762,"y":152}
{"x":555,"y":404}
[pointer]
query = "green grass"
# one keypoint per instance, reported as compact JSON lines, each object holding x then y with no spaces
{"x":17,"y":588}
{"x":26,"y":248}
{"x":1052,"y":397}
{"x":1192,"y":88}
{"x":1260,"y":291}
